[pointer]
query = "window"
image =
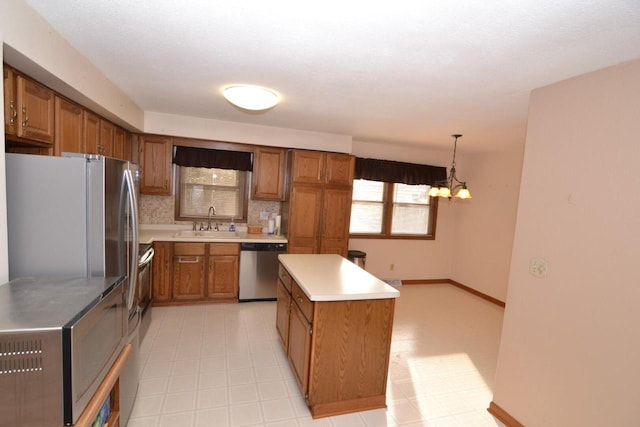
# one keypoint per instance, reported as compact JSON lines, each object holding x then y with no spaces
{"x":391,"y":210}
{"x":200,"y":188}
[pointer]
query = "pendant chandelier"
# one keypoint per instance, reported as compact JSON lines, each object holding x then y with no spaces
{"x":452,"y":186}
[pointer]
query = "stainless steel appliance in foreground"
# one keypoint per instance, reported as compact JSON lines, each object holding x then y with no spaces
{"x":259,"y":270}
{"x":76,"y":215}
{"x":58,"y":339}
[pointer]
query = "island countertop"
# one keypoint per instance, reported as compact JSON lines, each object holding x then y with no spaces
{"x":328,"y":277}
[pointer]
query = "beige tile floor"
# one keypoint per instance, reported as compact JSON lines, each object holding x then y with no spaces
{"x":222,"y":365}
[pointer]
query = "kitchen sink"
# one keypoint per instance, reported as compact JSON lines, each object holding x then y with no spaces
{"x":210,"y":234}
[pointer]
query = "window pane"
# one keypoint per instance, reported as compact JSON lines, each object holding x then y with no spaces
{"x":366,"y":217}
{"x":372,"y":191}
{"x":410,"y":219}
{"x":404,"y":193}
{"x":204,"y":187}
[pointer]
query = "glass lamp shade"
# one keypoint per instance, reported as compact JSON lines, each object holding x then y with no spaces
{"x":433,"y":191}
{"x":250,"y":97}
{"x":444,"y":192}
{"x":464,"y":193}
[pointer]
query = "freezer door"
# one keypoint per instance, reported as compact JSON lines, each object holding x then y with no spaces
{"x":46,"y":216}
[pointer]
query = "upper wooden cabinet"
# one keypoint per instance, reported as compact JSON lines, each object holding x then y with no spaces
{"x":155,"y":153}
{"x":10,"y":102}
{"x":118,"y":144}
{"x":339,"y":169}
{"x":315,"y":167}
{"x":107,"y":132}
{"x":91,"y":130}
{"x":69,"y":132}
{"x":319,"y":208}
{"x":269,"y":174}
{"x":35,"y":105}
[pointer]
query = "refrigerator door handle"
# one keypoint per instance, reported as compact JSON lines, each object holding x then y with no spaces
{"x":133,"y":262}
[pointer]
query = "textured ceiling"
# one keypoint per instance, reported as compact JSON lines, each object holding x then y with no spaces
{"x":409,"y":72}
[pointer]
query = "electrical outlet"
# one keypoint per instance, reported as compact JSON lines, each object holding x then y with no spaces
{"x":264,"y":215}
{"x":538,"y":267}
{"x":392,"y":267}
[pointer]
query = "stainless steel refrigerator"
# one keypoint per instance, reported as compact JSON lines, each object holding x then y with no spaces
{"x":76,"y":215}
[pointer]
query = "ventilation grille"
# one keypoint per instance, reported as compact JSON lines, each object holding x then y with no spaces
{"x":20,"y":356}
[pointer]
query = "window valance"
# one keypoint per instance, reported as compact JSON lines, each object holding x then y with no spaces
{"x":208,"y":158}
{"x":400,"y":172}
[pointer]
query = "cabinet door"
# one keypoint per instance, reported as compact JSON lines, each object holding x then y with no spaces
{"x":10,"y":103}
{"x":107,"y":132}
{"x":307,"y":167}
{"x":222,"y":276}
{"x":69,"y":136}
{"x":35,"y":110}
{"x":283,"y":310}
{"x":155,"y":163}
{"x":162,"y":271}
{"x":305,"y":207}
{"x":91,"y":130}
{"x":336,"y":211}
{"x":118,"y":143}
{"x":339,"y":169}
{"x":188,"y":277}
{"x":299,"y":347}
{"x":268,"y":181}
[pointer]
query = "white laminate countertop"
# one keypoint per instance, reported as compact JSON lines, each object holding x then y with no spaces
{"x":334,"y":278}
{"x":167,"y":233}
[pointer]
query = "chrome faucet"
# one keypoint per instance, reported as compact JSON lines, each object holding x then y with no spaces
{"x":211,"y":210}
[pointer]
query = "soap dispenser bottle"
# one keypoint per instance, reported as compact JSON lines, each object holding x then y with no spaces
{"x":232,"y":225}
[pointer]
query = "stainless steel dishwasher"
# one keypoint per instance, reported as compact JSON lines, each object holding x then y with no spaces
{"x":259,"y":270}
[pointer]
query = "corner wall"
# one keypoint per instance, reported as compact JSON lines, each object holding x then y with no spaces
{"x":485,"y":224}
{"x":569,"y":351}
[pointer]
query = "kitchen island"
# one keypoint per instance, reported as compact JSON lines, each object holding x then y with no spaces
{"x":335,"y":322}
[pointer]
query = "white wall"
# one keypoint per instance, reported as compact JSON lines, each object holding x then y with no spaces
{"x":485,"y":224}
{"x":218,"y":130}
{"x":569,"y":352}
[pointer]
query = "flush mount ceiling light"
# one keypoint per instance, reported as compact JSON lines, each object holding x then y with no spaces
{"x":249,"y":97}
{"x":451,"y":187}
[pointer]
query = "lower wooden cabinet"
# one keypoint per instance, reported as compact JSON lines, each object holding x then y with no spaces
{"x":283,"y":309}
{"x":190,"y":272}
{"x":223,"y":268}
{"x":299,"y":351}
{"x":161,"y":274}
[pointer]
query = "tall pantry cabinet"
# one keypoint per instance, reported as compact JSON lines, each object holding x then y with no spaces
{"x":319,"y":207}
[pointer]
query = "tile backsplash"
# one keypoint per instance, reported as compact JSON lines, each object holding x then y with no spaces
{"x":160,"y":210}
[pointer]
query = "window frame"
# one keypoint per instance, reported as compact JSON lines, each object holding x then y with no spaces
{"x":246,"y":186}
{"x":387,"y":217}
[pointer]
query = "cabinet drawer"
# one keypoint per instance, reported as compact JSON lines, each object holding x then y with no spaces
{"x":224,"y":248}
{"x":284,"y":276}
{"x":188,"y":248}
{"x":301,"y":299}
